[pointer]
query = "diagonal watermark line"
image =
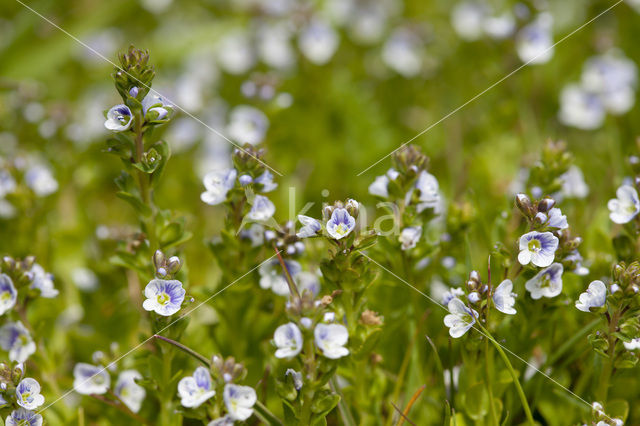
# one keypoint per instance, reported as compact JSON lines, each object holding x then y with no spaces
{"x":493,"y":85}
{"x":77,"y":40}
{"x":481,"y":332}
{"x":144,"y":342}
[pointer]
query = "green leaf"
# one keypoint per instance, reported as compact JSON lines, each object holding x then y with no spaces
{"x":476,"y":402}
{"x":618,"y":408}
{"x":135,"y":202}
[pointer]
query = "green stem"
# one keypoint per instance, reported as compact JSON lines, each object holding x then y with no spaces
{"x":143,"y":180}
{"x":185,"y":349}
{"x":487,"y":365}
{"x":265,"y":415}
{"x":292,"y":285}
{"x":514,"y":375}
{"x":607,"y":369}
{"x":166,"y":407}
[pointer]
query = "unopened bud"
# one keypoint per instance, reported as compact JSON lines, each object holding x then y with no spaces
{"x":173,"y":265}
{"x":546,"y":204}
{"x":524,"y":204}
{"x":158,"y":259}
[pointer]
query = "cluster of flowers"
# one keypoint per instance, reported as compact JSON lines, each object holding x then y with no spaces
{"x":199,"y":388}
{"x":22,"y":394}
{"x":29,"y":277}
{"x":20,"y":282}
{"x":330,"y":338}
{"x":549,"y":246}
{"x":409,"y":185}
{"x":155,"y":110}
{"x":534,"y":39}
{"x":607,"y":85}
{"x":90,"y":379}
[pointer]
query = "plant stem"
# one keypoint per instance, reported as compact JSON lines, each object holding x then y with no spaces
{"x":184,"y":348}
{"x":607,"y":369}
{"x":492,"y":409}
{"x":514,"y":376}
{"x":292,"y":285}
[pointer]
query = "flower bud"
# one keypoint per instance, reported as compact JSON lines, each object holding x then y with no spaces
{"x":245,"y":180}
{"x":540,"y":218}
{"x":158,"y":259}
{"x":353,"y":207}
{"x":474,"y":297}
{"x":524,"y":204}
{"x":546,"y":204}
{"x":174,"y":265}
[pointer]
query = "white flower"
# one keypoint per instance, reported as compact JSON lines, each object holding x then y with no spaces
{"x":247,"y":125}
{"x":130,"y":392}
{"x":43,"y":282}
{"x":427,"y":184}
{"x":196,"y":389}
{"x":504,"y":298}
{"x":546,"y":283}
{"x":255,"y":233}
{"x":217,"y":183}
{"x":90,"y":379}
{"x":119,"y":118}
{"x":8,"y":294}
{"x":626,"y":206}
{"x":468,"y":19}
{"x":341,"y":224}
{"x":296,"y":377}
{"x":156,"y":104}
{"x":410,"y":236}
{"x":28,"y":394}
{"x":310,"y":226}
{"x":7,"y":183}
{"x":580,"y":108}
{"x":164,"y":297}
{"x":85,"y":279}
{"x":401,"y":53}
{"x":460,"y":318}
{"x":239,"y":401}
{"x":15,"y":339}
{"x":318,"y":41}
{"x":23,"y":417}
{"x":538,"y":248}
{"x":41,"y":181}
{"x":272,"y":276}
{"x":573,"y":184}
{"x":633,"y":345}
{"x":234,"y":53}
{"x":307,"y":281}
{"x":450,"y":294}
{"x":500,"y":27}
{"x":262,"y":209}
{"x":556,"y":219}
{"x":534,"y":42}
{"x":614,"y":78}
{"x":266,"y":181}
{"x":330,"y":339}
{"x":288,"y":339}
{"x":379,"y":186}
{"x":594,"y":297}
{"x":274,"y":45}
